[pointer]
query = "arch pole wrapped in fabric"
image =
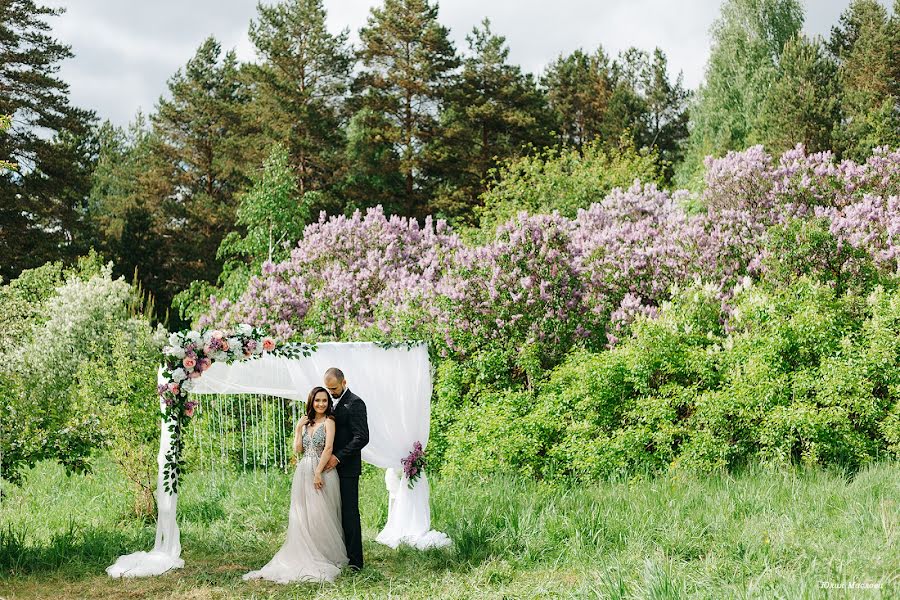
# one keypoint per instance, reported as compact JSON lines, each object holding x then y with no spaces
{"x":394,"y":382}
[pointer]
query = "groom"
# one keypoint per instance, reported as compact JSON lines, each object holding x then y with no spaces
{"x":351,"y":434}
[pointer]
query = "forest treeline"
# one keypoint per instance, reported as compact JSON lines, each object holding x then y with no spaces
{"x":405,"y":120}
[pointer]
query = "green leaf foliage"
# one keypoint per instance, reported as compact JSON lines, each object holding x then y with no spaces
{"x":562,"y":180}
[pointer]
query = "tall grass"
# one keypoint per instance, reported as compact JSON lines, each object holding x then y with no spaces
{"x":758,"y":534}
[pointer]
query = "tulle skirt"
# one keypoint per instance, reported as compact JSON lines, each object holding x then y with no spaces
{"x":314,"y":548}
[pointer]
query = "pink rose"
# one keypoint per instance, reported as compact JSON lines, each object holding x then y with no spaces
{"x":217,"y":334}
{"x":268,"y":344}
{"x":174,"y":388}
{"x":189,"y":363}
{"x":189,"y":411}
{"x":224,"y":345}
{"x":194,"y":374}
{"x":207,"y":349}
{"x":205,"y":363}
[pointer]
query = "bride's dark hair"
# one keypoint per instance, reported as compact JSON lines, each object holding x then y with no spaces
{"x":311,"y":410}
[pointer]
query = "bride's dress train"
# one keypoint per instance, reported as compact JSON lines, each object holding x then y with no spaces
{"x":314,"y":548}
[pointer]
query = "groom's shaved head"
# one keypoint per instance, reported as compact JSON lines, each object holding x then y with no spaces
{"x":335,"y":373}
{"x":334,"y":382}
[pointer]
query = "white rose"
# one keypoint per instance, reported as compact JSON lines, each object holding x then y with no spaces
{"x":245,"y":329}
{"x":174,"y":340}
{"x":193,"y":336}
{"x":220,"y":356}
{"x":188,"y":385}
{"x":234,"y":344}
{"x":178,"y":375}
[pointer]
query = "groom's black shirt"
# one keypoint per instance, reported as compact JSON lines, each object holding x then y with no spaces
{"x":351,"y":434}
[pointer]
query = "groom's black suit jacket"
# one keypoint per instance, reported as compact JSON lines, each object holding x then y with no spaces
{"x":351,"y":434}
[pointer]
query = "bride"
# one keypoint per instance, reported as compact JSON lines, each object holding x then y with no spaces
{"x":314,"y":548}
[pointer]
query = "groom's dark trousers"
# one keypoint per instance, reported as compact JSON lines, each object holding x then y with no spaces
{"x":350,"y":436}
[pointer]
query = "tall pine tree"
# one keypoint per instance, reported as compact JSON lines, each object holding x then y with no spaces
{"x":300,"y":87}
{"x":127,"y":207}
{"x":629,"y":102}
{"x":42,"y":205}
{"x":492,"y":113}
{"x":802,"y":106}
{"x":664,"y":121}
{"x":866,"y":44}
{"x":579,"y":88}
{"x":407,"y":62}
{"x":166,"y":194}
{"x":203,"y":132}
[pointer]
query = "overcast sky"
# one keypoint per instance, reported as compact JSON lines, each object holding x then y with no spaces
{"x":125,"y":51}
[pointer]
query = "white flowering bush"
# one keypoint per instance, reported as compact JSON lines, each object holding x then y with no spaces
{"x":55,"y":391}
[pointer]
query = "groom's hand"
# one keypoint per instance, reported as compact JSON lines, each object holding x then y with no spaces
{"x":332,"y":463}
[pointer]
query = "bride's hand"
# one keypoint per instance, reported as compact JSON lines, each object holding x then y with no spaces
{"x":318,"y":483}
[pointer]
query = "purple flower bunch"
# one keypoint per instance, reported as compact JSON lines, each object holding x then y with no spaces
{"x":523,"y":287}
{"x":635,"y":244}
{"x":859,"y":199}
{"x":414,"y":464}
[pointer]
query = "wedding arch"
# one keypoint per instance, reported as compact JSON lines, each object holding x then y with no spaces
{"x":394,"y":381}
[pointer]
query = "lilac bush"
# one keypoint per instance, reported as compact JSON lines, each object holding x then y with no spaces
{"x":797,"y":183}
{"x":523,"y":288}
{"x":747,"y":192}
{"x":546,"y":282}
{"x":635,"y":244}
{"x":872,"y":224}
{"x":340,"y":273}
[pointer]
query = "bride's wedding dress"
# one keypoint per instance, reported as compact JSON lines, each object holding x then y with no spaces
{"x":314,"y":548}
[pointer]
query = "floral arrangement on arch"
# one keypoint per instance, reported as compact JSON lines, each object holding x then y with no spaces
{"x":414,"y":464}
{"x":190,"y":353}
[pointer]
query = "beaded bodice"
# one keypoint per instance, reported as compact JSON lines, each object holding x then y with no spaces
{"x":314,"y":444}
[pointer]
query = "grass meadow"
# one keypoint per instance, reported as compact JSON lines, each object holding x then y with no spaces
{"x":790,"y":533}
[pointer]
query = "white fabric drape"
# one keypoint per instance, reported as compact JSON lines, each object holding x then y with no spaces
{"x":166,"y":553}
{"x":395,"y":384}
{"x":409,"y":514}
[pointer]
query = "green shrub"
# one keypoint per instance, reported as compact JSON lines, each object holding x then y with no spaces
{"x":118,"y":384}
{"x":82,"y":374}
{"x":806,"y":247}
{"x":500,"y":433}
{"x":782,"y":374}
